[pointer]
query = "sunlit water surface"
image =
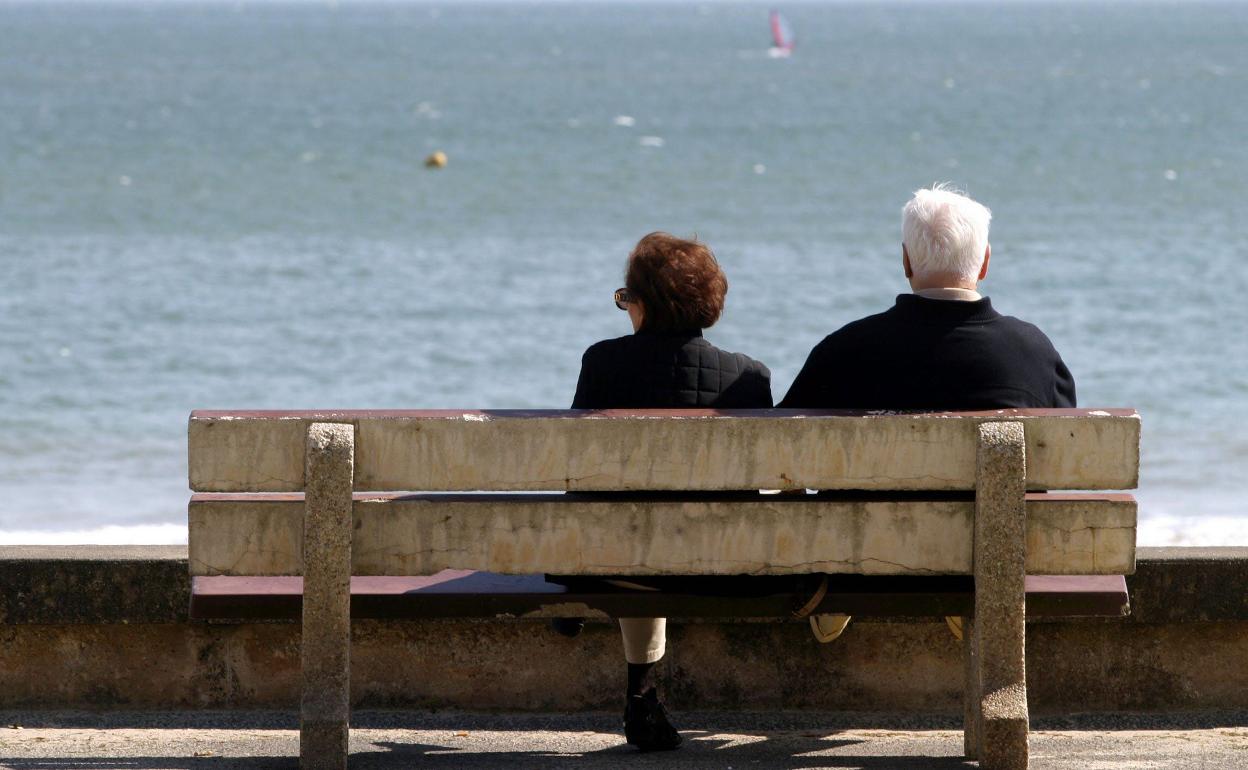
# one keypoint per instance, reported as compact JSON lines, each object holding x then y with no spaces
{"x":224,"y":206}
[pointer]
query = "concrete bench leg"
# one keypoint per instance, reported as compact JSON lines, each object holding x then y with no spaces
{"x":326,"y":642}
{"x":1001,"y":720}
{"x":970,"y":693}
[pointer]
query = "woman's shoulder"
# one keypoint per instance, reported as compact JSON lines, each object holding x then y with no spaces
{"x":608,"y":345}
{"x":738,"y":361}
{"x":607,"y":350}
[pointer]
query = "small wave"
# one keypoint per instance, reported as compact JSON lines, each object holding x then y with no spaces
{"x":115,"y":534}
{"x":1206,"y":531}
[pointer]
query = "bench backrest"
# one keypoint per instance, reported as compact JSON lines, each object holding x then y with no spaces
{"x":238,"y":459}
{"x":689,"y":450}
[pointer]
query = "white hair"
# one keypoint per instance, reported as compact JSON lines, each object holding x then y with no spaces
{"x":944,"y":231}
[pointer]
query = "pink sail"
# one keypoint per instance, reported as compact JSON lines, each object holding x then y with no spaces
{"x":781,"y":32}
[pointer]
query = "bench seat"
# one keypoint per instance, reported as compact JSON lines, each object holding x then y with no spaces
{"x":469,"y":593}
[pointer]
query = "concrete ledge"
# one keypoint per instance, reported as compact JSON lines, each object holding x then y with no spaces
{"x":1189,"y":585}
{"x":90,"y":584}
{"x":105,"y":627}
{"x":903,"y":667}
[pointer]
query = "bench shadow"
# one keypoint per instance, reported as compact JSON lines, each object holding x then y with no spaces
{"x":697,"y":752}
{"x":702,"y":749}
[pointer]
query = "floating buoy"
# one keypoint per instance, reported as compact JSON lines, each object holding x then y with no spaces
{"x":436,"y":160}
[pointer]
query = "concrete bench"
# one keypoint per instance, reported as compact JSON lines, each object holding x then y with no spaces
{"x":923,"y":496}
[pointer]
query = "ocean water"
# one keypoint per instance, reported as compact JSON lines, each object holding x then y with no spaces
{"x":223,"y":205}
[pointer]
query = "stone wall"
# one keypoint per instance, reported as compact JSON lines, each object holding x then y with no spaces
{"x":94,"y":627}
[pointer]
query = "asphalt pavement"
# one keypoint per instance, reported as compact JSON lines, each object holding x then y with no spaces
{"x":737,"y":741}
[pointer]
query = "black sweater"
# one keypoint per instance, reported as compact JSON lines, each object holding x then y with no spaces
{"x":669,"y":370}
{"x":927,"y":354}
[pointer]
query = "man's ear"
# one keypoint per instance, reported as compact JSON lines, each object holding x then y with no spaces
{"x":983,"y":271}
{"x":905,"y":261}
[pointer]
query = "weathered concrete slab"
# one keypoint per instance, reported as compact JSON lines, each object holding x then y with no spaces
{"x":1075,"y":666}
{"x":1181,"y":650}
{"x":661,"y":450}
{"x":93,"y":584}
{"x":1187,"y":585}
{"x":523,"y":534}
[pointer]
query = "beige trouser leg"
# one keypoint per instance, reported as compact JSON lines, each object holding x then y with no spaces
{"x":645,"y":639}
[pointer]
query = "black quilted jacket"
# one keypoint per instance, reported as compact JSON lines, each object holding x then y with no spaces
{"x":669,"y":370}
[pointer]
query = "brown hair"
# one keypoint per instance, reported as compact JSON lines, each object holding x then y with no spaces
{"x":678,"y":281}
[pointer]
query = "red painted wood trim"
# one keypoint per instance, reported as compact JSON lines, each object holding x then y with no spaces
{"x":830,"y":496}
{"x":456,"y":414}
{"x":464,"y":593}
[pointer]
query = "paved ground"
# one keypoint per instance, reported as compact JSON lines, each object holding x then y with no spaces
{"x":268,"y":741}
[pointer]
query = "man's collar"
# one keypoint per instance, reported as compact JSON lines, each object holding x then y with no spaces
{"x":960,"y":295}
{"x":924,"y":310}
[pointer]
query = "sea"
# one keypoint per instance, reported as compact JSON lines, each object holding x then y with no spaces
{"x":225,"y":205}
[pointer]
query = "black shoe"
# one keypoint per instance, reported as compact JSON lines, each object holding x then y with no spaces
{"x":569,"y":627}
{"x":646,"y":725}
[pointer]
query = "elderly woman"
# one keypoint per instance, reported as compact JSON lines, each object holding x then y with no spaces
{"x":673,"y":289}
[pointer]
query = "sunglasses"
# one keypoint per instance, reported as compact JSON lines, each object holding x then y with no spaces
{"x":622,"y":298}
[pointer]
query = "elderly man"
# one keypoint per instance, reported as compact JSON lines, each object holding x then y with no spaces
{"x":943,"y":347}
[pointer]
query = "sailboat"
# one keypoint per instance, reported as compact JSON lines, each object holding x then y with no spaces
{"x":781,"y":37}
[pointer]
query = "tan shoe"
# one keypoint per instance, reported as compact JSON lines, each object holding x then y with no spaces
{"x":955,"y":626}
{"x":827,"y":628}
